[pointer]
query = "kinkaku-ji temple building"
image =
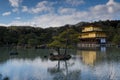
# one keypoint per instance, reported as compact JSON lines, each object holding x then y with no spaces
{"x":92,"y":36}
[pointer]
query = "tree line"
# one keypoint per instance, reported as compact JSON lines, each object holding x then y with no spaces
{"x":36,"y":36}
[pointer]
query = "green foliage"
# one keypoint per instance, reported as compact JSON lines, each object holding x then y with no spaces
{"x":111,"y":31}
{"x":68,"y":37}
{"x":56,"y":44}
{"x":116,"y":39}
{"x":23,"y":35}
{"x":22,"y":40}
{"x":32,"y":42}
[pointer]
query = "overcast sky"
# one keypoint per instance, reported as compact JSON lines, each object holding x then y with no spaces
{"x":47,"y":13}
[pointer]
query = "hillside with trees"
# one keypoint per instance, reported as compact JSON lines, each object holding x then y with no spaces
{"x":28,"y":36}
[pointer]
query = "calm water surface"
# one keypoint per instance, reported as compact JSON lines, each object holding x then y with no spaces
{"x":30,"y":64}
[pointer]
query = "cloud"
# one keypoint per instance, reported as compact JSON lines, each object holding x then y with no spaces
{"x":56,"y":20}
{"x":64,"y":15}
{"x":19,"y":23}
{"x":15,"y":10}
{"x":113,"y":6}
{"x":6,"y":13}
{"x":15,"y":3}
{"x":105,"y":11}
{"x":72,"y":15}
{"x":3,"y":24}
{"x":75,"y":2}
{"x":43,"y":6}
{"x":18,"y":18}
{"x":109,"y":7}
{"x":48,"y":20}
{"x":24,"y":8}
{"x":66,"y":10}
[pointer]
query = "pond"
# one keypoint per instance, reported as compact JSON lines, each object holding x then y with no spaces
{"x":85,"y":64}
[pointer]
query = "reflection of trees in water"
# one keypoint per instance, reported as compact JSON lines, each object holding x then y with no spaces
{"x":3,"y":78}
{"x":23,"y":54}
{"x":63,"y":73}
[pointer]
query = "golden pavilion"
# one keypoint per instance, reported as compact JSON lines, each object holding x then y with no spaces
{"x":92,"y":34}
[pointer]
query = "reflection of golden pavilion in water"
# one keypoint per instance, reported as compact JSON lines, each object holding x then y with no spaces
{"x":88,"y":57}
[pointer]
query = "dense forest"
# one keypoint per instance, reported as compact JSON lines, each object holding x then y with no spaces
{"x":28,"y":36}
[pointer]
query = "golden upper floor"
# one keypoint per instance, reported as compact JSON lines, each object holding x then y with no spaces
{"x":92,"y":31}
{"x":91,"y":28}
